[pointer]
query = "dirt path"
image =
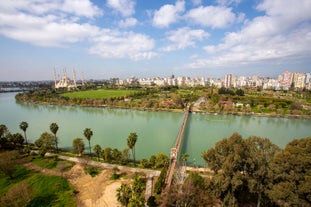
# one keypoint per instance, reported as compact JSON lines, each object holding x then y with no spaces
{"x":99,"y":190}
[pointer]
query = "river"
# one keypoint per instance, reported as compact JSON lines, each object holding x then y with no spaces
{"x":157,"y":131}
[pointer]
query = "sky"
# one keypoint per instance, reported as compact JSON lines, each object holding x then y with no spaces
{"x":104,"y":39}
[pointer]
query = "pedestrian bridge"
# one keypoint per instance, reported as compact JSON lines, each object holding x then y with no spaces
{"x":174,"y":154}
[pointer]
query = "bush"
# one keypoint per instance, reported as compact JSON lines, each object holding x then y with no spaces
{"x":91,"y":170}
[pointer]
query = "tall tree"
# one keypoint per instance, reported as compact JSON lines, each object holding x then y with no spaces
{"x":260,"y":153}
{"x":290,"y":172}
{"x":131,"y":141}
{"x":54,"y":129}
{"x":227,"y":160}
{"x":23,"y":126}
{"x":88,"y":133}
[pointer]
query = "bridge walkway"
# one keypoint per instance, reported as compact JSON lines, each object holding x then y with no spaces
{"x":174,"y":154}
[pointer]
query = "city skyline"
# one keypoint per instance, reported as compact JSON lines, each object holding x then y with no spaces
{"x":122,"y":38}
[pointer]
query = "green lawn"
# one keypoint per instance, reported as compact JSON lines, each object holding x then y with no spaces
{"x":99,"y":94}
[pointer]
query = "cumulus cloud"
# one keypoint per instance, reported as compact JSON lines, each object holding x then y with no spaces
{"x":128,"y":22}
{"x":40,"y":7}
{"x":211,"y":16}
{"x":283,"y":33}
{"x":47,"y":23}
{"x":168,"y":14}
{"x":119,"y":45}
{"x":56,"y":24}
{"x":184,"y":37}
{"x":125,"y":7}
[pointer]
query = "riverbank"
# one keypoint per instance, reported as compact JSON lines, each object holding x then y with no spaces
{"x":194,"y":111}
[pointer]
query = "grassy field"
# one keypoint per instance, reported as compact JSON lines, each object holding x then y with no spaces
{"x":99,"y":94}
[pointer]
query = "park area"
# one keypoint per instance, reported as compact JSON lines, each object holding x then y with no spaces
{"x":99,"y":94}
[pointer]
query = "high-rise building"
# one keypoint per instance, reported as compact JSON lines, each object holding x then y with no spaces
{"x":286,"y":79}
{"x":228,"y":80}
{"x":299,"y":80}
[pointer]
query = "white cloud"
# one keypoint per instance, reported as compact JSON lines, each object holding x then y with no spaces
{"x":284,"y":33}
{"x":47,"y":23}
{"x":125,"y":7}
{"x":41,"y":7}
{"x":168,"y":14}
{"x":119,"y":45}
{"x":128,"y":22}
{"x":184,"y":37}
{"x":211,"y":16}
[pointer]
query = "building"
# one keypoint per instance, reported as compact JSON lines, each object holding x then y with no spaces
{"x":65,"y":82}
{"x":228,"y":80}
{"x":299,"y":80}
{"x":286,"y":80}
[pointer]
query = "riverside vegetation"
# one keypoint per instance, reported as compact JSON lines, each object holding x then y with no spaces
{"x":245,"y":101}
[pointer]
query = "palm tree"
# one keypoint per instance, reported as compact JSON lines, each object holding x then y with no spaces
{"x":184,"y":158}
{"x":131,"y":141}
{"x":88,"y":134}
{"x":54,"y":129}
{"x":124,"y":194}
{"x":23,"y":126}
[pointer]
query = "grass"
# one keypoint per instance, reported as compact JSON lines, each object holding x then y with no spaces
{"x":99,"y":94}
{"x":52,"y":163}
{"x":44,"y":190}
{"x":50,"y":190}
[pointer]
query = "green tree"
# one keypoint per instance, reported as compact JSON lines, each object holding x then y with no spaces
{"x":116,"y":155}
{"x":124,"y":194}
{"x":152,"y":161}
{"x":162,"y":160}
{"x":46,"y":143}
{"x":228,"y":160}
{"x":138,"y":187}
{"x":290,"y":173}
{"x":125,"y":156}
{"x":78,"y":145}
{"x":54,"y":129}
{"x":23,"y":126}
{"x":97,"y":149}
{"x":107,"y":154}
{"x":131,"y":141}
{"x":260,"y":153}
{"x":3,"y":130}
{"x":17,"y":139}
{"x":88,"y":133}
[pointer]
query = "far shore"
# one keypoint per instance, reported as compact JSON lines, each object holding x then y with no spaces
{"x":273,"y":115}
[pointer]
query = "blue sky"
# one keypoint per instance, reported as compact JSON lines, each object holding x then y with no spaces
{"x":145,"y":38}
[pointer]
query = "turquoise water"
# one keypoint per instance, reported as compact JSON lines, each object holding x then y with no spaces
{"x":156,"y":131}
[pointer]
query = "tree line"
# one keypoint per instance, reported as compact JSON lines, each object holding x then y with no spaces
{"x":48,"y":142}
{"x":249,"y":172}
